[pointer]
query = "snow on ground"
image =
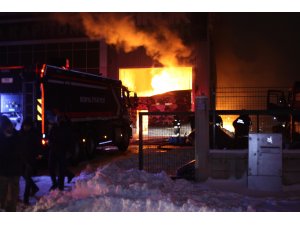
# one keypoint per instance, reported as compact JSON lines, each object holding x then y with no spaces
{"x":117,"y":187}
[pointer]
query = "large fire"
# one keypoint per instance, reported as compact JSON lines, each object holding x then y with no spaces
{"x":147,"y":82}
{"x":152,"y":81}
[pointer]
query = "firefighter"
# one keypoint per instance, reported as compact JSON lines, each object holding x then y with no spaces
{"x":218,"y":121}
{"x":176,"y":125}
{"x":242,"y":126}
{"x":10,"y":165}
{"x":60,"y":142}
{"x":31,"y":153}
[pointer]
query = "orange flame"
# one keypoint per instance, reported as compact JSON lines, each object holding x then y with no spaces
{"x":170,"y":79}
{"x":152,"y":81}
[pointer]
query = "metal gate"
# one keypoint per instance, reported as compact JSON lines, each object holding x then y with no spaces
{"x":163,"y":142}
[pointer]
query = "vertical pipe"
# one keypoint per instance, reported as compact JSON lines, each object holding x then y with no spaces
{"x":292,"y":128}
{"x":103,"y":58}
{"x":214,"y":129}
{"x":201,"y":138}
{"x":141,"y":155}
{"x":257,"y":123}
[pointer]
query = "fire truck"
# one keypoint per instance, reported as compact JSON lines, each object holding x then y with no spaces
{"x":98,"y":107}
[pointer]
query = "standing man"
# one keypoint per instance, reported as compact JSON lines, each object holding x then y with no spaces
{"x":60,"y":142}
{"x":242,"y":126}
{"x":31,"y":150}
{"x":10,"y":165}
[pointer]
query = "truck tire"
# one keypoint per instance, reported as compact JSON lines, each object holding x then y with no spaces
{"x":123,"y":138}
{"x":90,"y":148}
{"x":75,"y":158}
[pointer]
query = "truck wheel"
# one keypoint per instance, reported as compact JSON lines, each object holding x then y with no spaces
{"x":124,"y":141}
{"x":90,"y":148}
{"x":75,"y":158}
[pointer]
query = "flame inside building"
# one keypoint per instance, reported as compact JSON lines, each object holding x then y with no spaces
{"x":147,"y":82}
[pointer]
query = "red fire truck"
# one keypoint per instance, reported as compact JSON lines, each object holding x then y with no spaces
{"x":98,"y":107}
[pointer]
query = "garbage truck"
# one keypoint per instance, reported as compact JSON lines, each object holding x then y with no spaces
{"x":98,"y":107}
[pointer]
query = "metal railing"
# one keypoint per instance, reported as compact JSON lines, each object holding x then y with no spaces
{"x":249,"y":98}
{"x":160,"y":149}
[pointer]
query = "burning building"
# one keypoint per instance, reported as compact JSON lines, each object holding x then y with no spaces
{"x":152,"y":53}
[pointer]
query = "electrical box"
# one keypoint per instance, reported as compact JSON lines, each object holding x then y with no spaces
{"x":11,"y":106}
{"x":265,"y":162}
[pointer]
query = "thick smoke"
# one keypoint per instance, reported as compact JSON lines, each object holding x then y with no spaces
{"x":120,"y":29}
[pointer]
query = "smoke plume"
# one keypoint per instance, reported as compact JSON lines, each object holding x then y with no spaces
{"x":119,"y":29}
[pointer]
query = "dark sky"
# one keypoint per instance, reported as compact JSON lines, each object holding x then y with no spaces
{"x":257,"y":49}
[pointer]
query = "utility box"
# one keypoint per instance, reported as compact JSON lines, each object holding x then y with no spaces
{"x":265,"y":162}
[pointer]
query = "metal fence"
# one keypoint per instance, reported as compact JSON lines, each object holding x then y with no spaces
{"x":248,"y":98}
{"x":163,"y":148}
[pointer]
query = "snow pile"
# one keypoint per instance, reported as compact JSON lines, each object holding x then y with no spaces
{"x":119,"y":188}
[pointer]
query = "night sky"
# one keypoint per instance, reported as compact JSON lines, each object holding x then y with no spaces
{"x":261,"y":48}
